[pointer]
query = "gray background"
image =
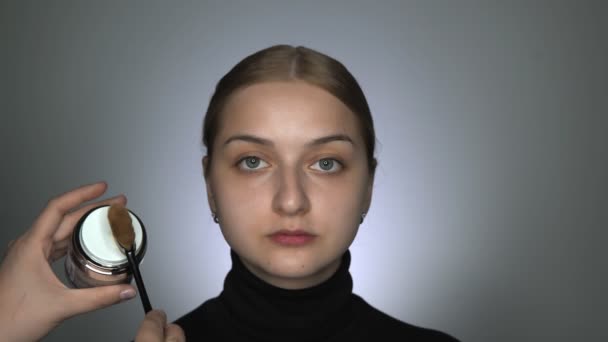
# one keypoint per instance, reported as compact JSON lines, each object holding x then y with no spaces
{"x":490,"y":208}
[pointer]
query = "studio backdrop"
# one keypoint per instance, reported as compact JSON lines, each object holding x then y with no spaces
{"x":489,"y":216}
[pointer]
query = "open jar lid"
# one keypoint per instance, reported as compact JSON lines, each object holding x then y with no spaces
{"x":98,"y":242}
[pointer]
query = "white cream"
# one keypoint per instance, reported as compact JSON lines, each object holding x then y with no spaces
{"x":98,"y":242}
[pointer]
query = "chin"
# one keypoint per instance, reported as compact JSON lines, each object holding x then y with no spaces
{"x":289,"y":267}
{"x":292,"y":276}
{"x":292,"y":263}
{"x":296,"y":267}
{"x":289,"y":278}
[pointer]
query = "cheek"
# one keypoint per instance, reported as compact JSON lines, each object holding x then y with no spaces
{"x":339,"y":203}
{"x":241,"y":203}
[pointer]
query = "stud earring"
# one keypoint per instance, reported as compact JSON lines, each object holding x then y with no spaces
{"x":362,"y":217}
{"x":215,"y":218}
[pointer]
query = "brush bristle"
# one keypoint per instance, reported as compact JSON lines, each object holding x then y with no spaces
{"x":122,"y":228}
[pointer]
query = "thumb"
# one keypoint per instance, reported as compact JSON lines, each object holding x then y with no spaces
{"x":152,"y":327}
{"x":174,"y":333}
{"x":79,"y":301}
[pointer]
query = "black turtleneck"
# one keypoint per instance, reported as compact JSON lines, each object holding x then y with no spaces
{"x":249,"y":309}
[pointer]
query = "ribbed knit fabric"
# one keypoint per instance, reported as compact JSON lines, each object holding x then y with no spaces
{"x":249,"y":309}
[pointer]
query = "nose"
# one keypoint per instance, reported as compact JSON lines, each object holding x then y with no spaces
{"x":291,"y":198}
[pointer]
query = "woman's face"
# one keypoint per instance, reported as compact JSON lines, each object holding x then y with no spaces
{"x":289,"y":181}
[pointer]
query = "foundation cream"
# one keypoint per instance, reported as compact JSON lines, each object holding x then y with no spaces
{"x":94,"y":258}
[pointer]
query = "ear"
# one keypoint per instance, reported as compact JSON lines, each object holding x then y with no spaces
{"x":368,"y":193}
{"x":206,"y":175}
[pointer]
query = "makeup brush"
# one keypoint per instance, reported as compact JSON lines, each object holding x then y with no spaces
{"x":122,"y":229}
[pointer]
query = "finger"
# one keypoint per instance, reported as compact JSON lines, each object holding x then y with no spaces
{"x":174,"y":333}
{"x":70,"y":220}
{"x":152,"y":328}
{"x":79,"y":301}
{"x":48,"y":222}
{"x":60,"y":248}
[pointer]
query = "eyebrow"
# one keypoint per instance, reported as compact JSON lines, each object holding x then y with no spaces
{"x":266,"y":142}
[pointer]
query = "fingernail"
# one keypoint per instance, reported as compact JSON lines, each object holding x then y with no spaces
{"x":120,"y":197}
{"x":127,"y":294}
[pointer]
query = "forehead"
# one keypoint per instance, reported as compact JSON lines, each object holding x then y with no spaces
{"x":290,"y":111}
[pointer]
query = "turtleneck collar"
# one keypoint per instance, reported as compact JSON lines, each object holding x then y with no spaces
{"x":263,"y":310}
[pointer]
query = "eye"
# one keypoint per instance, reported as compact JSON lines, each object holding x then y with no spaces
{"x":329,"y":165}
{"x":249,"y":163}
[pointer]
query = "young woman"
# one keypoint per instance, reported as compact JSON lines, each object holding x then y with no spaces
{"x":289,"y":174}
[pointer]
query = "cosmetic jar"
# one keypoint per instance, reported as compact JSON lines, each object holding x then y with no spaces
{"x":94,"y":258}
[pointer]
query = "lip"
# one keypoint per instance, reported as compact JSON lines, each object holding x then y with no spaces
{"x":296,"y":237}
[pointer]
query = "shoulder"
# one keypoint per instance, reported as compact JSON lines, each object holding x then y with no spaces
{"x":382,"y":323}
{"x":204,"y":318}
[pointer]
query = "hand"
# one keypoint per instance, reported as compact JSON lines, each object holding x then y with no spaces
{"x":33,"y":300}
{"x":154,"y":328}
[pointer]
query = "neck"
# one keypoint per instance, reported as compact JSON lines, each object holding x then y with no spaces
{"x":258,"y":307}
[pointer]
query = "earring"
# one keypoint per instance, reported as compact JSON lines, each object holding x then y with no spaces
{"x":362,"y":217}
{"x":215,"y":218}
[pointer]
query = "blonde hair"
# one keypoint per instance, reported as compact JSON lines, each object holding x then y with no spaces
{"x":289,"y":63}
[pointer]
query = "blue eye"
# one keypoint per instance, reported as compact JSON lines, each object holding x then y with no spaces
{"x":251,"y":163}
{"x":329,"y":165}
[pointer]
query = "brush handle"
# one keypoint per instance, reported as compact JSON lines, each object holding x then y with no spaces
{"x":139,"y":281}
